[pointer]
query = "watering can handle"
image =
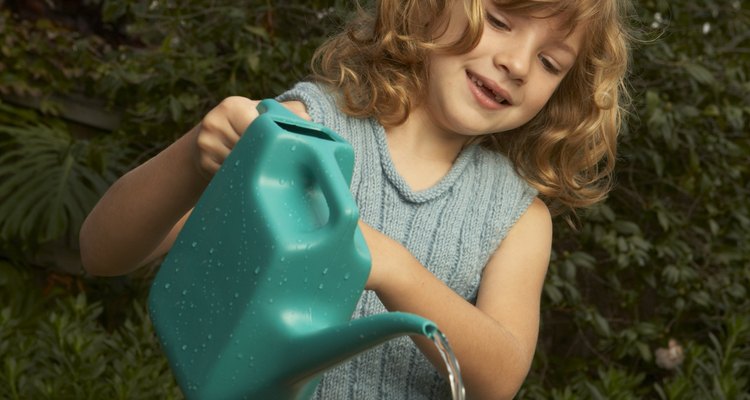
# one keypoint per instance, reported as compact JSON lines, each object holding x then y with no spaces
{"x":344,"y":214}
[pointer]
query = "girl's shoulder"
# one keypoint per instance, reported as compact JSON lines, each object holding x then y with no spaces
{"x":319,"y":100}
{"x":506,"y":192}
{"x":321,"y":103}
{"x":497,"y":167}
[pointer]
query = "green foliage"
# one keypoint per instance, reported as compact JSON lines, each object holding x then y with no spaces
{"x":52,"y":346}
{"x":664,"y":258}
{"x":51,"y":180}
{"x":718,"y":369}
{"x":164,"y":63}
{"x":40,"y":58}
{"x":160,"y":66}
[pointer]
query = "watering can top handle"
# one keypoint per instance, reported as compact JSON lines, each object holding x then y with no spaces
{"x":279,"y":112}
{"x":277,"y":109}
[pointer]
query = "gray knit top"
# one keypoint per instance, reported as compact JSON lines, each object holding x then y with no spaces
{"x":452,"y":228}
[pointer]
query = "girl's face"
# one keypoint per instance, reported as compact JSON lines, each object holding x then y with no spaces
{"x":506,"y":79}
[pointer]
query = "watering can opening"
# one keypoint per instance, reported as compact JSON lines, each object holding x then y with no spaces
{"x":301,"y":130}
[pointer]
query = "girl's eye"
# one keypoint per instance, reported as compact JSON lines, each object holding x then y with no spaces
{"x":497,"y":23}
{"x":549,"y":66}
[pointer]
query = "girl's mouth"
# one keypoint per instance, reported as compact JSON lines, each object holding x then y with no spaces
{"x":489,"y":92}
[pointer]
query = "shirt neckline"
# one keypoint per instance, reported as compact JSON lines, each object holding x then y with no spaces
{"x":425,"y":195}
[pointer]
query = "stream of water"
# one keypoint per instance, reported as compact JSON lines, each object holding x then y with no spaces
{"x":451,"y":364}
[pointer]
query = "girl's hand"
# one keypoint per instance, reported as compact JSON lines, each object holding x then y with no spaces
{"x":222,"y":127}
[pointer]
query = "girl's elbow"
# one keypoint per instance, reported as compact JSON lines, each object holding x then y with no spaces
{"x":500,"y":387}
{"x":495,"y":392}
{"x":97,"y":265}
{"x":91,"y":264}
{"x":93,"y":261}
{"x":88,"y":261}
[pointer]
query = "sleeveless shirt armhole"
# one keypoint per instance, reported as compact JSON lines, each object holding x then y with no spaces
{"x":511,"y":212}
{"x":512,"y":183}
{"x":318,"y":103}
{"x":523,"y":204}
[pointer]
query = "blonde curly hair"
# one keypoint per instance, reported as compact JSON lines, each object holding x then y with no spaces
{"x":378,"y":64}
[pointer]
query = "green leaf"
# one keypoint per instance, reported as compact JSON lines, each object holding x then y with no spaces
{"x":50,"y":188}
{"x":553,"y":293}
{"x":175,"y":108}
{"x":644,"y":350}
{"x":627,"y":227}
{"x":700,"y":73}
{"x":601,"y":324}
{"x":653,"y":102}
{"x":711,"y":110}
{"x":257,"y":31}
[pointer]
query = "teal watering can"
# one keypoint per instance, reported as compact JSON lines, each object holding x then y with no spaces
{"x":255,"y":298}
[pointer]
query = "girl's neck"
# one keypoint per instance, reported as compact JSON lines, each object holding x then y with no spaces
{"x":421,"y":152}
{"x":419,"y":137}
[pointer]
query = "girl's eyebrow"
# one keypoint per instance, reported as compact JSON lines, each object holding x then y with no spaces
{"x":566,"y":47}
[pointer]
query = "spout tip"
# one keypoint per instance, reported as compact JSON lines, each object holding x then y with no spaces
{"x":429,"y":329}
{"x":419,"y":325}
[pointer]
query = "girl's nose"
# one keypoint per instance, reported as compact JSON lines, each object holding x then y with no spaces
{"x":515,"y":59}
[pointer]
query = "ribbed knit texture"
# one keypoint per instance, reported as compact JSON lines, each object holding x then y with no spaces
{"x":452,"y":228}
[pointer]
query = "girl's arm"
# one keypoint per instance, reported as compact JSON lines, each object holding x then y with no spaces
{"x":140,"y":209}
{"x":138,"y":218}
{"x":495,"y":340}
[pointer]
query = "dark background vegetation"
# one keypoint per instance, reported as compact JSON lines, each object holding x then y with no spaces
{"x":90,"y":88}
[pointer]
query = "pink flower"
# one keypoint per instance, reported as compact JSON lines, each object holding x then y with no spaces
{"x":671,"y":357}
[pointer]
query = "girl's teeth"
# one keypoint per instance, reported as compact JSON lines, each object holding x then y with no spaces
{"x":479,"y":83}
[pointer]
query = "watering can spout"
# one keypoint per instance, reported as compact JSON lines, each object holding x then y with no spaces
{"x":332,"y":345}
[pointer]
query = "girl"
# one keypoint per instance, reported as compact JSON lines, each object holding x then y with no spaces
{"x":472,"y":122}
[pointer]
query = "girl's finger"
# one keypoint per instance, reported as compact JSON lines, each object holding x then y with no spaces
{"x":239,"y":112}
{"x":298,"y":108}
{"x":209,"y":166}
